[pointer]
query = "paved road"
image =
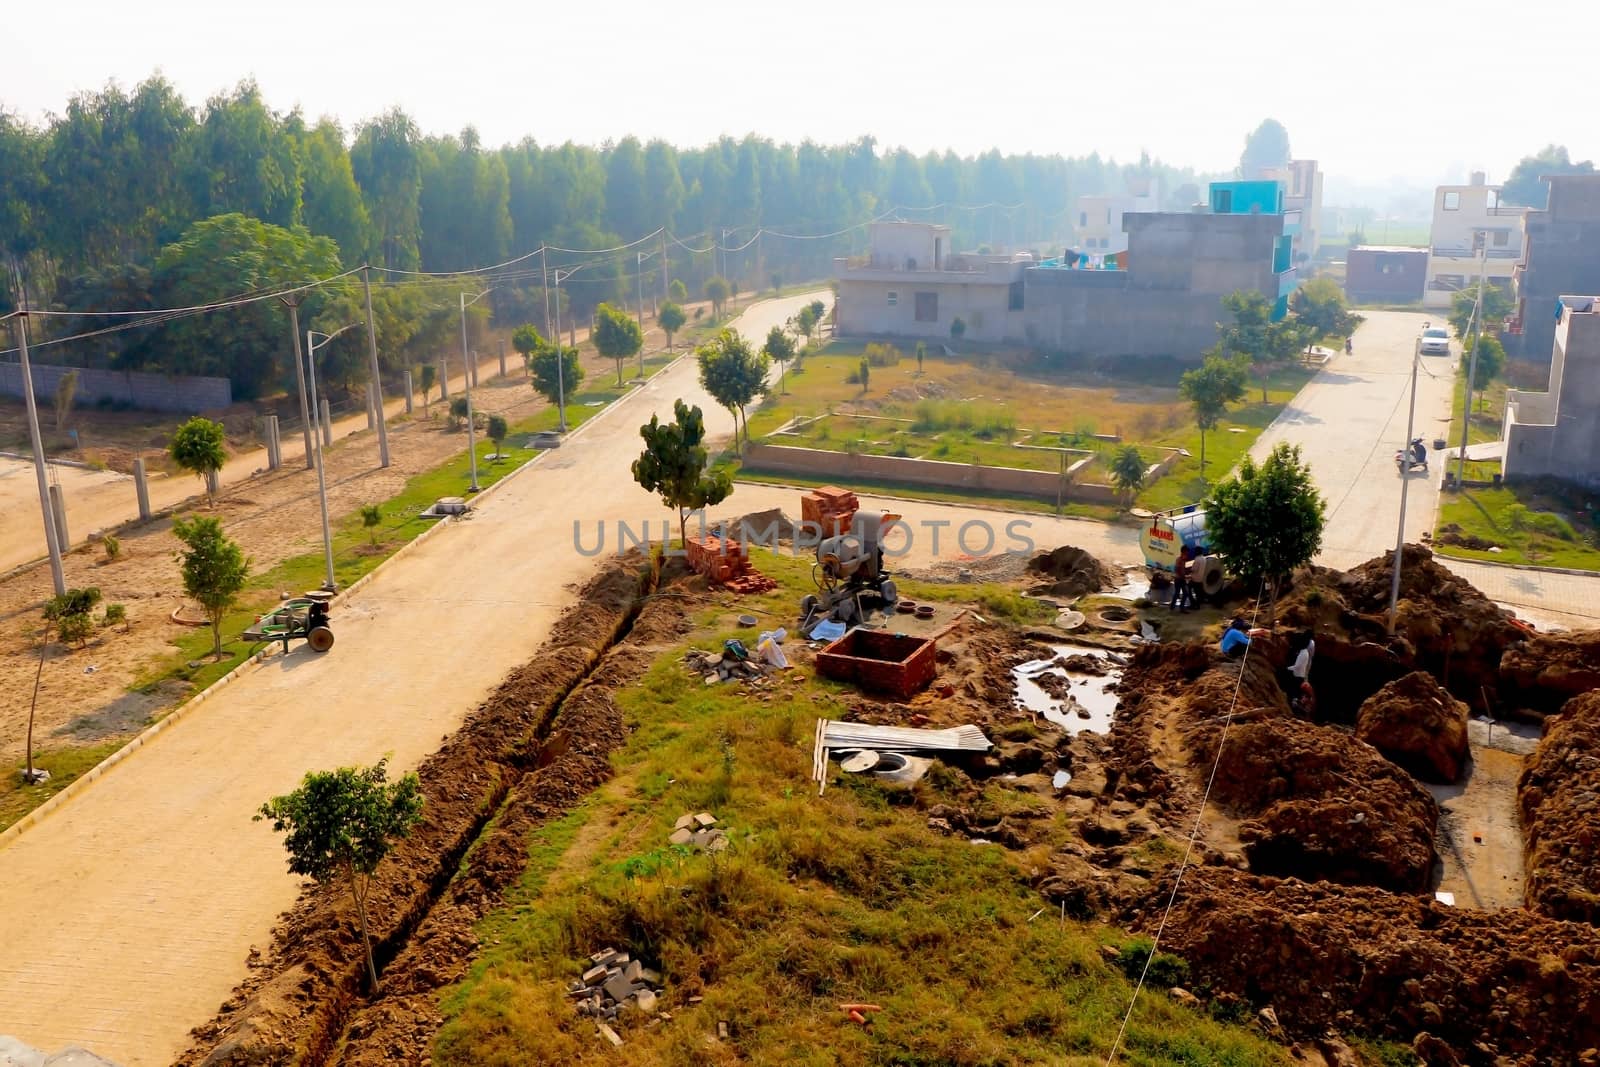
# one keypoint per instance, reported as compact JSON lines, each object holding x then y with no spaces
{"x":1348,"y":422}
{"x":126,"y":916}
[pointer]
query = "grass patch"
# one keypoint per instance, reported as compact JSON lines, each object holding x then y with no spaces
{"x":66,"y":765}
{"x":817,"y":901}
{"x":1541,"y":523}
{"x":1488,"y":411}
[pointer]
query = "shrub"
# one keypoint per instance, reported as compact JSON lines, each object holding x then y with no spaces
{"x":983,"y":420}
{"x":116,"y":614}
{"x":1166,"y":970}
{"x":1520,"y":517}
{"x":112,"y":546}
{"x":73,"y":614}
{"x":881,"y":355}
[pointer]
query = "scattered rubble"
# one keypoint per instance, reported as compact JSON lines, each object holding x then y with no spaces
{"x":1559,"y":796}
{"x":1418,"y":725}
{"x":615,"y":983}
{"x":728,"y":665}
{"x":698,"y":831}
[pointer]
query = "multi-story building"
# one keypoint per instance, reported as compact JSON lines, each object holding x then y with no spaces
{"x":1160,"y":297}
{"x":1556,"y":433}
{"x":1302,"y":192}
{"x":1385,"y":274}
{"x":1562,"y":255}
{"x":1472,"y":233}
{"x":1097,"y":226}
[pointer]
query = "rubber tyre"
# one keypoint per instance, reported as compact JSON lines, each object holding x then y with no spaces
{"x":1211,"y":583}
{"x":320,"y":639}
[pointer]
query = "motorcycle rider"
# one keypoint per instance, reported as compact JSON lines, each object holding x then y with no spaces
{"x":1349,"y":345}
{"x":1419,"y":453}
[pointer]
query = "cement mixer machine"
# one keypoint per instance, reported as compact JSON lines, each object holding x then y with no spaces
{"x":849,"y":574}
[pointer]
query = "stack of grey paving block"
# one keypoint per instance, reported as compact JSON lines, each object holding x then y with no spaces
{"x":614,"y":982}
{"x":700,"y":831}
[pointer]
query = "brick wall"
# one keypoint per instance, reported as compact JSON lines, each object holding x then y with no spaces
{"x":842,"y":466}
{"x":186,"y":394}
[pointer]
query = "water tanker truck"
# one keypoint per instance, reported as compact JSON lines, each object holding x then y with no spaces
{"x":1164,"y":536}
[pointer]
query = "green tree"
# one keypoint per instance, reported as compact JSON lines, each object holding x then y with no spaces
{"x":73,"y":614}
{"x":805,"y":320}
{"x":1267,"y":147}
{"x":671,"y":319}
{"x":616,"y":336}
{"x":556,"y":372}
{"x":1127,"y":471}
{"x":1525,"y":188}
{"x":527,"y":340}
{"x":734,"y":374}
{"x":1497,"y":306}
{"x":199,"y":446}
{"x":332,"y":200}
{"x":864,"y":374}
{"x":717,"y":291}
{"x":958,"y":328}
{"x":498,"y":428}
{"x":1491,"y":361}
{"x":677,"y":292}
{"x":214,"y":570}
{"x":428,"y":375}
{"x":371,"y":517}
{"x":779,"y":348}
{"x":243,"y":159}
{"x":922,"y":353}
{"x":386,"y":162}
{"x":339,"y":825}
{"x":1268,"y":520}
{"x":1265,"y":345}
{"x":1319,"y":305}
{"x":673,"y":465}
{"x":1210,"y":388}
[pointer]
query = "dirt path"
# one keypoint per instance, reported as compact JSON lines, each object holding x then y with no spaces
{"x":127,"y":916}
{"x":1480,"y":834}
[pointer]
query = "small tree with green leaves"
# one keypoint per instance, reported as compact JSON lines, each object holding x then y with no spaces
{"x":616,"y":336}
{"x":371,"y":518}
{"x":779,"y":348}
{"x":671,"y":319}
{"x":1490,"y":365}
{"x":717,"y":290}
{"x":806,"y":319}
{"x":1210,"y":388}
{"x":1127,"y":471}
{"x":1497,"y":305}
{"x":72,"y":613}
{"x":1321,"y":307}
{"x":674,"y":461}
{"x":214,"y":570}
{"x":527,"y":340}
{"x":115,"y":615}
{"x":958,"y":328}
{"x":339,"y":825}
{"x":199,"y":446}
{"x":428,"y":376}
{"x":733,"y":373}
{"x":498,"y":428}
{"x":922,"y":354}
{"x":1264,"y":344}
{"x":1268,"y":520}
{"x":556,"y":372}
{"x":677,"y":292}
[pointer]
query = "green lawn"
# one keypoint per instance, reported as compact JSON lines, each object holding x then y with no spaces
{"x":1539,"y":523}
{"x":978,"y":407}
{"x":65,"y":765}
{"x":818,"y":901}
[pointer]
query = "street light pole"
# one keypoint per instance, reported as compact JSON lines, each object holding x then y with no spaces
{"x":58,"y":576}
{"x":376,"y":385}
{"x":329,"y":583}
{"x":466,"y":386}
{"x":561,"y":359}
{"x":1405,"y":483}
{"x":1472,"y":367}
{"x":300,"y":378}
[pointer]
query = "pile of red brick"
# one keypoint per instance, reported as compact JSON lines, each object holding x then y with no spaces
{"x":726,"y":562}
{"x":831,"y":508}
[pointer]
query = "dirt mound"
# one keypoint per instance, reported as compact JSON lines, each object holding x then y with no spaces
{"x":765,"y":528}
{"x":1321,"y":805}
{"x":1070,"y":572}
{"x":1549,"y":669}
{"x":1418,"y":725}
{"x":1452,"y":534}
{"x":293,"y":1007}
{"x":1559,"y":794}
{"x":1443,"y":626}
{"x":1504,"y":983}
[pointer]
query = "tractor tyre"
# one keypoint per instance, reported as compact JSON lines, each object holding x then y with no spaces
{"x":1212,"y":581}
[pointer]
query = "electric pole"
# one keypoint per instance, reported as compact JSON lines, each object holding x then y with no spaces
{"x":377,"y":384}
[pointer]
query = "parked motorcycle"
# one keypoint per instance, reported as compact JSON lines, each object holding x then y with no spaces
{"x":1412,"y":458}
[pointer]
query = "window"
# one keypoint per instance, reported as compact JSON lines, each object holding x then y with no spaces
{"x":894,"y":298}
{"x":1502,"y":238}
{"x":1014,"y":301}
{"x":1452,"y":201}
{"x":927,"y":307}
{"x":1083,"y":218}
{"x":1448,"y":283}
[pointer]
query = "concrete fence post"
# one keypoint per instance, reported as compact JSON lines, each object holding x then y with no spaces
{"x":502,"y":357}
{"x":327,"y":424}
{"x":444,"y":380}
{"x":472,"y":365}
{"x":274,"y":454}
{"x":410,"y":391}
{"x":58,"y":508}
{"x":372,"y":408}
{"x":141,"y":489}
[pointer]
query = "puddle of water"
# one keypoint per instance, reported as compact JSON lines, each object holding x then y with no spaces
{"x":1087,"y":705}
{"x":1061,"y":779}
{"x":1135,"y":584}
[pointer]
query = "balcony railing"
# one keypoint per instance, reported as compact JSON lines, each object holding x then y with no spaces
{"x":1476,"y":253}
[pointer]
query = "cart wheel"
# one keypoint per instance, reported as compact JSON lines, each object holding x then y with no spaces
{"x":320,"y":639}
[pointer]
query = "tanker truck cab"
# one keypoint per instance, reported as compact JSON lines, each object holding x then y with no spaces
{"x":1165,"y":535}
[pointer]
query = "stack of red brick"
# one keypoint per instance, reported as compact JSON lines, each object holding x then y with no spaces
{"x":726,"y":561}
{"x":831,"y":508}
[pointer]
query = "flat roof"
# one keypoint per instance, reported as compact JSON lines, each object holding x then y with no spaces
{"x":1390,"y":248}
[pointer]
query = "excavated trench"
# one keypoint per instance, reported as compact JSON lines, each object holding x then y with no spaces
{"x":531,"y":751}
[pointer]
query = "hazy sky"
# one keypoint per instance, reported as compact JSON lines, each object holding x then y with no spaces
{"x":1374,"y":90}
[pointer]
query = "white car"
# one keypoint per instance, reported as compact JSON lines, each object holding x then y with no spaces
{"x":1436,"y":341}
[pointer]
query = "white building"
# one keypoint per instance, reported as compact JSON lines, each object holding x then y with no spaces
{"x":1302,"y":192}
{"x":1472,"y":233}
{"x":1097,"y":224}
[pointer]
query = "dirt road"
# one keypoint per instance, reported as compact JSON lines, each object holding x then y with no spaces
{"x":127,"y":915}
{"x":1480,"y":833}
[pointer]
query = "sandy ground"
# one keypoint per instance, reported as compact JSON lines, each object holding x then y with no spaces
{"x":1480,"y":834}
{"x":127,"y":916}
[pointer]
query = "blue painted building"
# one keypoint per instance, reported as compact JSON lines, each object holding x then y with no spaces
{"x":1265,"y":197}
